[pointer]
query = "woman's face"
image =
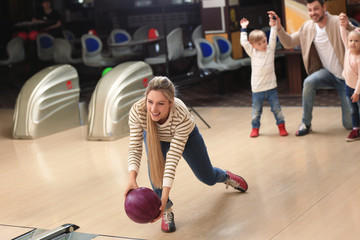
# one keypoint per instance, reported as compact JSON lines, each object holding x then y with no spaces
{"x":158,"y":106}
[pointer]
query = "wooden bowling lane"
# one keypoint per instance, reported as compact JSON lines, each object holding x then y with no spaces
{"x":299,"y":187}
{"x":10,"y":232}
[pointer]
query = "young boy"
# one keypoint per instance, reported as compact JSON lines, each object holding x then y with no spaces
{"x":263,"y":79}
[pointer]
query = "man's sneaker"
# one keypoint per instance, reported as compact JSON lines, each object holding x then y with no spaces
{"x":303,"y":130}
{"x":282,"y":130}
{"x":168,"y":223}
{"x":353,"y":136}
{"x":236,"y":182}
{"x":254,"y":132}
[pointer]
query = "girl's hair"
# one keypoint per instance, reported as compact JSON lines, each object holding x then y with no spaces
{"x":155,"y":155}
{"x":356,"y":31}
{"x":256,"y":35}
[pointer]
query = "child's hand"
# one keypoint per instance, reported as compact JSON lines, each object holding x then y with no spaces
{"x":343,"y":20}
{"x":355,"y":97}
{"x":244,"y":23}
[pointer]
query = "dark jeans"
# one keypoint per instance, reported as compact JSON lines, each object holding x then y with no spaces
{"x":258,"y":98}
{"x":323,"y":79}
{"x":196,"y":156}
{"x":354,"y":107}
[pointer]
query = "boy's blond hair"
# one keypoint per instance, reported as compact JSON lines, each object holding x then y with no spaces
{"x":256,"y":35}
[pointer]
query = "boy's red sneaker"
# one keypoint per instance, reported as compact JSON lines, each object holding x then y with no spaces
{"x":282,"y":130}
{"x":254,"y":132}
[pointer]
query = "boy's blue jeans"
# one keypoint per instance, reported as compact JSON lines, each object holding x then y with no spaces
{"x":258,"y":98}
{"x":196,"y":156}
{"x":354,"y":107}
{"x":323,"y":79}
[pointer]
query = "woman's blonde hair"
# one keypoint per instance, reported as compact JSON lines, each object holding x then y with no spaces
{"x":256,"y":35}
{"x":155,"y":156}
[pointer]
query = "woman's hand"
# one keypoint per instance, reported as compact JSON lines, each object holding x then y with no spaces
{"x":164,"y":200}
{"x":132,"y":184}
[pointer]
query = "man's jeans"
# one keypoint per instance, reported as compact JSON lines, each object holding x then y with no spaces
{"x":323,"y":79}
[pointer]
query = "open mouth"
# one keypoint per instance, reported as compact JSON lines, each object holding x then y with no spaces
{"x":155,"y":114}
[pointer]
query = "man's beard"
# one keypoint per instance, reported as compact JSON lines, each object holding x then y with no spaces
{"x":320,"y":19}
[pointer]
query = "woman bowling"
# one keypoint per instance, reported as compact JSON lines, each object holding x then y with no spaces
{"x":168,"y":130}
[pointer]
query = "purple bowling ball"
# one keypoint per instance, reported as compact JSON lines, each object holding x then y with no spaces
{"x":142,"y":205}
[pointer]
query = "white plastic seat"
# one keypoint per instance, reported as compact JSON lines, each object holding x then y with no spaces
{"x":45,"y":47}
{"x":197,"y":33}
{"x":62,"y":52}
{"x":113,"y":97}
{"x":223,"y":54}
{"x":175,"y":48}
{"x":92,"y":54}
{"x":206,"y":55}
{"x":140,"y":34}
{"x":15,"y":50}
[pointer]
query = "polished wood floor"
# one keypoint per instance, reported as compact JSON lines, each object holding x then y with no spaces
{"x":299,"y":187}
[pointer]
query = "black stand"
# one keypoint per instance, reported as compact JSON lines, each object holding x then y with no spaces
{"x":195,"y":77}
{"x":193,"y":109}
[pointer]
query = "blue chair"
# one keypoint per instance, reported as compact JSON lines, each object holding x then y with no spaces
{"x":206,"y":55}
{"x":45,"y":47}
{"x":15,"y":50}
{"x":74,"y":42}
{"x":119,"y":36}
{"x":223,"y":54}
{"x":92,"y":53}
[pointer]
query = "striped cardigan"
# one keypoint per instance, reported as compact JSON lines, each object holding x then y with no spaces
{"x":175,"y":130}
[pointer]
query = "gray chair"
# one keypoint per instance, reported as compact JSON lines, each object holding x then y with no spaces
{"x":140,"y":34}
{"x":92,"y":52}
{"x":197,"y":33}
{"x":15,"y":50}
{"x":206,"y":55}
{"x":74,"y":42}
{"x":63,"y":52}
{"x":45,"y":47}
{"x":120,"y":36}
{"x":223,"y":50}
{"x":175,"y":48}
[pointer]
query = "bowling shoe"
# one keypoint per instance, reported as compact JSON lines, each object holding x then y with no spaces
{"x":236,"y":182}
